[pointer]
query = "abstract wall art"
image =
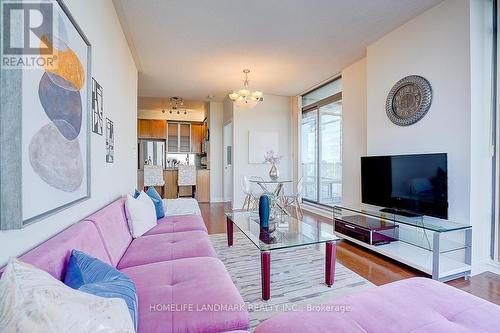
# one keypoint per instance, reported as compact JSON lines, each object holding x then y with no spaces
{"x":110,"y":141}
{"x":97,"y":107}
{"x":259,"y":143}
{"x":50,"y":146}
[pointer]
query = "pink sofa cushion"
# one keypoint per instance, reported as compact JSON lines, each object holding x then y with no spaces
{"x":53,"y":255}
{"x":164,"y":247}
{"x":414,"y":305}
{"x":178,"y":224}
{"x":193,"y":283}
{"x":111,"y":221}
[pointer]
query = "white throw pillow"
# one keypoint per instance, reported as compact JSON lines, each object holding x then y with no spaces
{"x":141,"y":214}
{"x":32,"y":300}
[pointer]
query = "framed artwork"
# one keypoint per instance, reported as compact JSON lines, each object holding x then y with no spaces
{"x":49,"y":159}
{"x":110,"y":141}
{"x":97,"y":110}
{"x":259,"y":143}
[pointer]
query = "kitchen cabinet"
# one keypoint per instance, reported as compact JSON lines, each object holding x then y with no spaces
{"x":173,"y":137}
{"x":184,"y":138}
{"x":151,"y":129}
{"x":203,"y":185}
{"x":196,"y":138}
{"x":158,"y":129}
{"x":179,"y":137}
{"x":170,"y":177}
{"x":143,"y":128}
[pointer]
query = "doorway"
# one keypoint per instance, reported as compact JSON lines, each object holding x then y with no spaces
{"x":228,"y":162}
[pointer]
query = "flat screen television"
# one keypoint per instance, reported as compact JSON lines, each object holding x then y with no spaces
{"x":411,"y":184}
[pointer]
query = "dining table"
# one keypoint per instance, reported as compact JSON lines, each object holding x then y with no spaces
{"x":273,"y":188}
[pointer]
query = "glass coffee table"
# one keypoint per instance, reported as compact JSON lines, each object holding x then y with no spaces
{"x":286,"y":232}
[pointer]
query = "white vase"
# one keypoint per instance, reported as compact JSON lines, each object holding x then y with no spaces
{"x":274,"y":172}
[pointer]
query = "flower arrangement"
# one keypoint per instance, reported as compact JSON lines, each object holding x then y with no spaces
{"x":272,"y":157}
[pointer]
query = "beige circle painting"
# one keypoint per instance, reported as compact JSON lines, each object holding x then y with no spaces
{"x":54,"y":151}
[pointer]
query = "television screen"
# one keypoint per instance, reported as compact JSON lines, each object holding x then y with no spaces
{"x":411,"y":183}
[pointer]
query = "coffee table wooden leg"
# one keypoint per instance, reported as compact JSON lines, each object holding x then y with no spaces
{"x":331,"y":251}
{"x":265,"y":272}
{"x":229,"y":228}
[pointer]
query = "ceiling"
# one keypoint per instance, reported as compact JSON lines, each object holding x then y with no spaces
{"x":194,"y":48}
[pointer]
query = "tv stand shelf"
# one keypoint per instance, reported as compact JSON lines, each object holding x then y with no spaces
{"x":440,"y":248}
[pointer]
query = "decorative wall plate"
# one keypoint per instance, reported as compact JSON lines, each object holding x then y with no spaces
{"x":409,"y":100}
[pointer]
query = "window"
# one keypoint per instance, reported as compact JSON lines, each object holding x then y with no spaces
{"x":321,"y":155}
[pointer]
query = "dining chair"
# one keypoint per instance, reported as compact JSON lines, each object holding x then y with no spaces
{"x":251,"y":200}
{"x":294,"y":200}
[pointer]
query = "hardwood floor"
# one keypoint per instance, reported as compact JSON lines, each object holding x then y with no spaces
{"x":372,"y":266}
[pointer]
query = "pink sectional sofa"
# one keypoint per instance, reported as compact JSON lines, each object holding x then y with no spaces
{"x":177,"y":275}
{"x":415,"y":305}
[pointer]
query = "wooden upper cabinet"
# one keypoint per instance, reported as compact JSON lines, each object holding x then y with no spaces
{"x":196,"y":137}
{"x":158,"y":129}
{"x":184,"y":137}
{"x":143,"y":128}
{"x":173,"y":137}
{"x":151,"y":129}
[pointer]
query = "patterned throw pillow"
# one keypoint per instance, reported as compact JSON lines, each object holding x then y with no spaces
{"x":92,"y":276}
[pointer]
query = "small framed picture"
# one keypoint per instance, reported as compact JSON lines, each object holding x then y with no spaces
{"x":110,"y":141}
{"x":97,"y":107}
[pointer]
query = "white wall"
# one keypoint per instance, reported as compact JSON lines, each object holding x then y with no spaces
{"x":353,"y":130}
{"x":228,"y":111}
{"x":273,"y":114}
{"x":114,"y":68}
{"x":296,"y":128}
{"x":480,"y":117}
{"x":216,"y":148}
{"x":444,"y":45}
{"x":434,"y":45}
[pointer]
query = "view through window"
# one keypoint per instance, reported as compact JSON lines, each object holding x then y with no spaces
{"x":321,"y":155}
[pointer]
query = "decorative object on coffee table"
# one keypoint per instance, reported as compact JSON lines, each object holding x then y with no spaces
{"x":409,"y":100}
{"x":274,"y":159}
{"x":264,"y":208}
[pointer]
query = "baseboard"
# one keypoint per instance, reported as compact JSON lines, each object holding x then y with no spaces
{"x":215,"y":200}
{"x":492,"y":266}
{"x":325,"y":212}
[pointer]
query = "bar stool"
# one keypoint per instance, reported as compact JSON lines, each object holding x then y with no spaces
{"x":153,"y":176}
{"x":186,"y":176}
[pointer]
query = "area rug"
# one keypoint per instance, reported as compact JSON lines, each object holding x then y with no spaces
{"x":297,"y":277}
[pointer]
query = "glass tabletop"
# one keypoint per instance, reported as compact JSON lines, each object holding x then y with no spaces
{"x":288,"y":231}
{"x":425,"y":222}
{"x":271,"y":181}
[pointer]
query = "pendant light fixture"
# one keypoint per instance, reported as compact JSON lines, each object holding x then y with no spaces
{"x":245,"y":98}
{"x":176,"y":106}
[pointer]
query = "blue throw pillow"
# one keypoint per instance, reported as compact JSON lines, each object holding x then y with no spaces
{"x":151,"y":192}
{"x":92,"y":276}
